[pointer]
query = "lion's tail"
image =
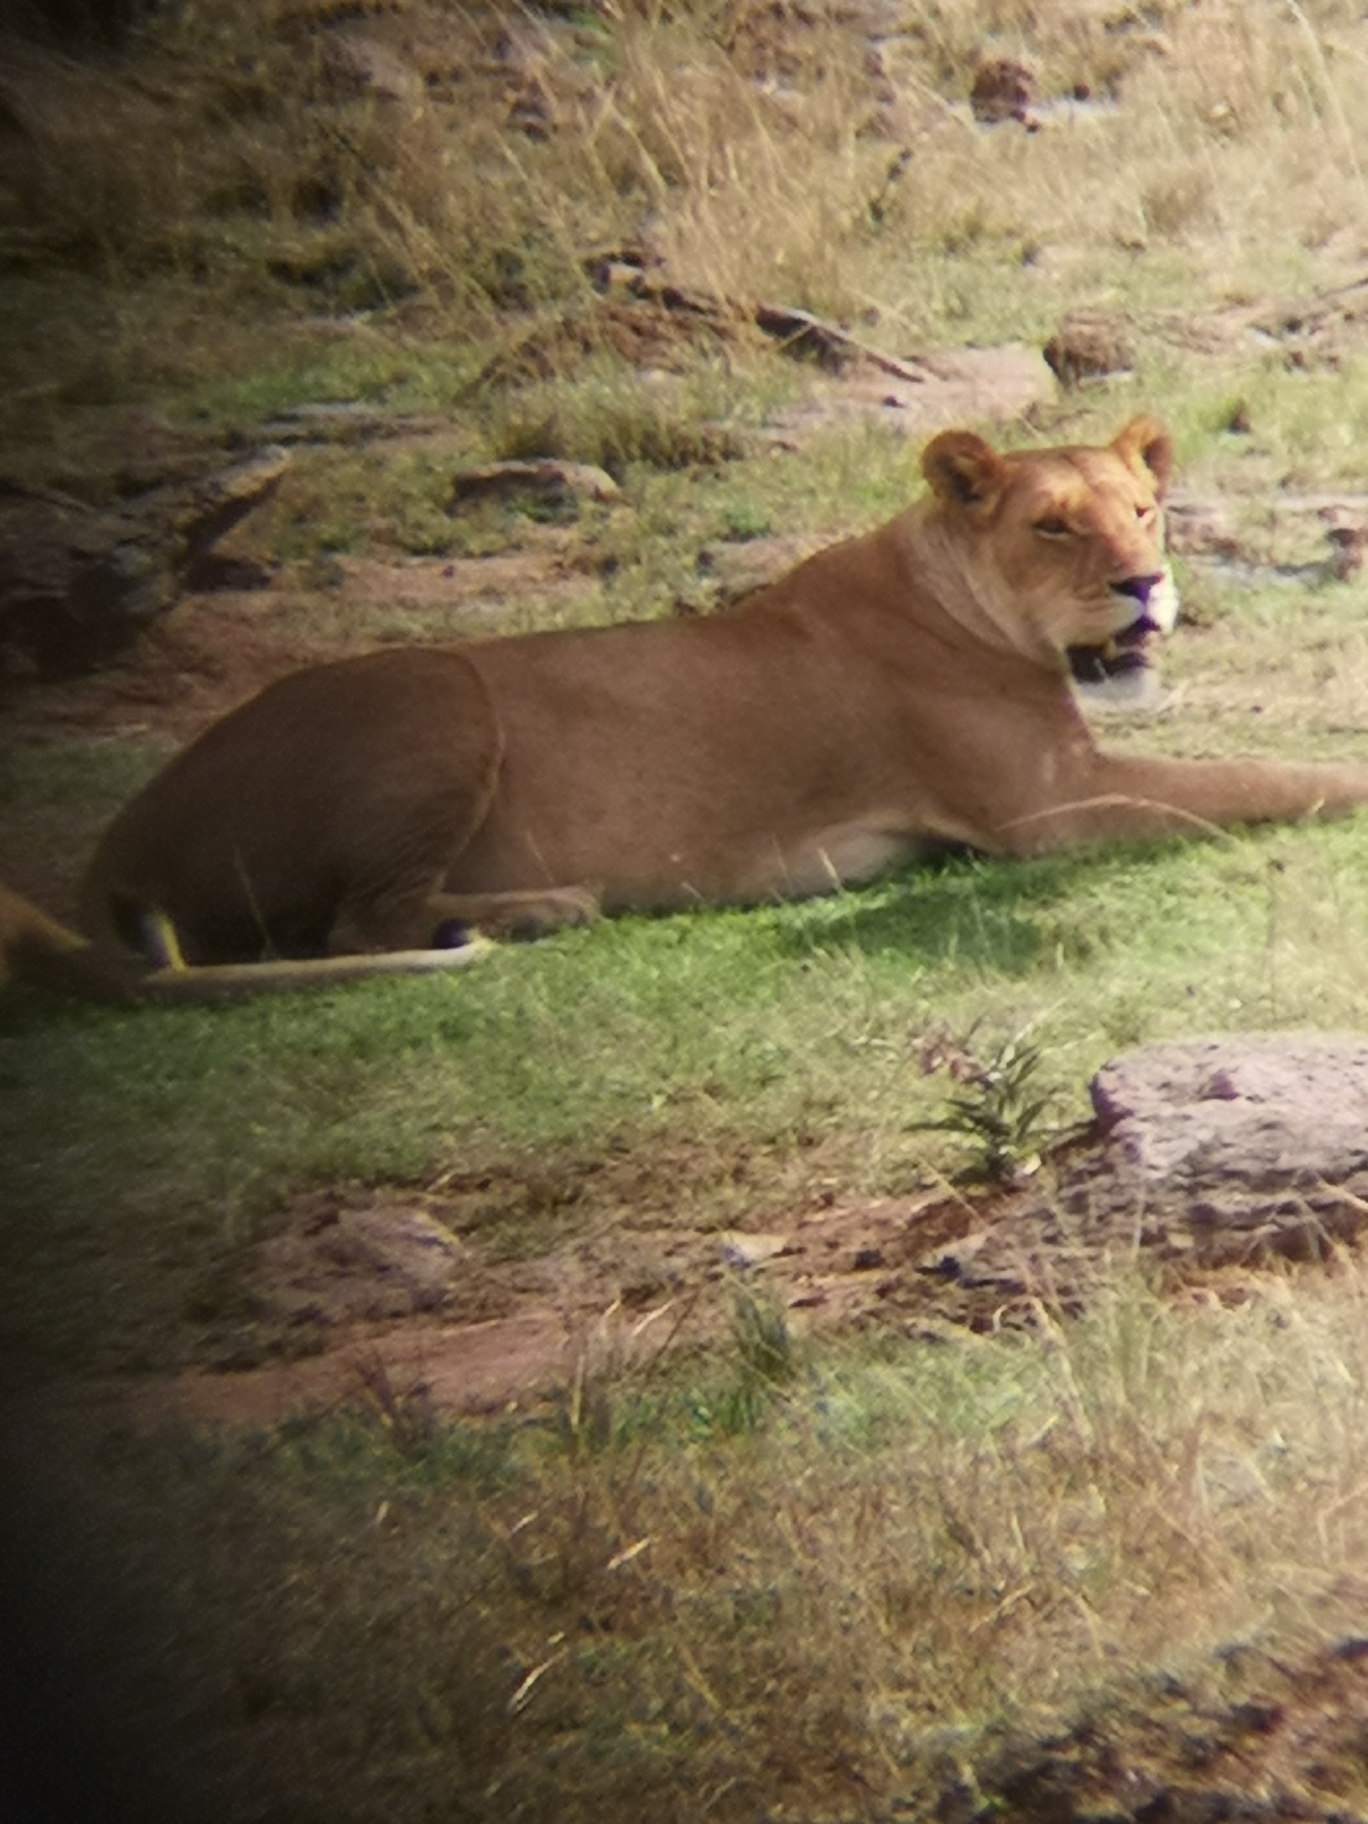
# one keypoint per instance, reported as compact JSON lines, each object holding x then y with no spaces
{"x":37,"y":949}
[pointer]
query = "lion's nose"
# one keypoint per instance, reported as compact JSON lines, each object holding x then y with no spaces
{"x":1139,"y":588}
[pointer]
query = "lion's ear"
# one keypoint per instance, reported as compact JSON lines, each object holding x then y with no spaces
{"x":1145,"y":444}
{"x":962,"y":469}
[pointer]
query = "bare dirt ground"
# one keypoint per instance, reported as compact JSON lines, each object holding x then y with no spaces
{"x":1288,"y":1746}
{"x":380,"y":1299}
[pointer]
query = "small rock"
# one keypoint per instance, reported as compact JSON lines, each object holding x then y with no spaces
{"x":1088,"y":345}
{"x":751,"y":1250}
{"x":1348,"y":546}
{"x":1003,"y":89}
{"x":546,"y":476}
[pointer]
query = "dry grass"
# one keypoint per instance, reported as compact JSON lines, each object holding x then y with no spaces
{"x":815,"y":1602}
{"x":951,"y":1536}
{"x":291,"y":153}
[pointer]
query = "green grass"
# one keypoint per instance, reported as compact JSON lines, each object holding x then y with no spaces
{"x":361,"y":367}
{"x":146,"y":1149}
{"x":353,"y":1608}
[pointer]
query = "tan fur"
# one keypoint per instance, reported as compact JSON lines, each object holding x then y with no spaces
{"x":903,"y":690}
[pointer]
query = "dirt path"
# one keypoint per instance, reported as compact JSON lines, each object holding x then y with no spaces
{"x":380,"y":1299}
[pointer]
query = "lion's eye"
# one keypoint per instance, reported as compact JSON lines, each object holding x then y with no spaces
{"x":1052,"y":526}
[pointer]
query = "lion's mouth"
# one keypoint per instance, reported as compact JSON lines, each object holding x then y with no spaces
{"x":1124,"y":652}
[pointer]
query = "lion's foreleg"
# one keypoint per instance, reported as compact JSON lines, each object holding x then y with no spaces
{"x":1124,"y":799}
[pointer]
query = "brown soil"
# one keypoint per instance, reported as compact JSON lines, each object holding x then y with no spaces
{"x":355,"y":1288}
{"x":467,"y":1300}
{"x":1272,"y":1740}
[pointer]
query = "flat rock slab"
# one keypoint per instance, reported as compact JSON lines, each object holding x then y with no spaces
{"x":1260,"y":1138}
{"x":547,"y":476}
{"x":79,"y":583}
{"x":1266,"y":1111}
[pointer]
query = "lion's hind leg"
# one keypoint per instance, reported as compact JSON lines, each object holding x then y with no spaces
{"x":421,"y":917}
{"x":529,"y":913}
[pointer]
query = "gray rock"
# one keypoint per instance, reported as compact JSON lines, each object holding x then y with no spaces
{"x":78,"y":583}
{"x":1227,"y":1151}
{"x":547,"y":476}
{"x":1238,"y":1145}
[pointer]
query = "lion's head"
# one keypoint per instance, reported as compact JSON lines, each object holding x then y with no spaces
{"x":1062,"y":550}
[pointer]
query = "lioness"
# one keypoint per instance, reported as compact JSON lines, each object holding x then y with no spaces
{"x":905,"y":689}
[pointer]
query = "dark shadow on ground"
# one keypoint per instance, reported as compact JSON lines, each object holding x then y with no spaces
{"x":961,"y":908}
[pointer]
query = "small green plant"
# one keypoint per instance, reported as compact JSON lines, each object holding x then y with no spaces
{"x":757,"y":1369}
{"x":763,"y":1360}
{"x":744,"y":521}
{"x":999,"y":1108}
